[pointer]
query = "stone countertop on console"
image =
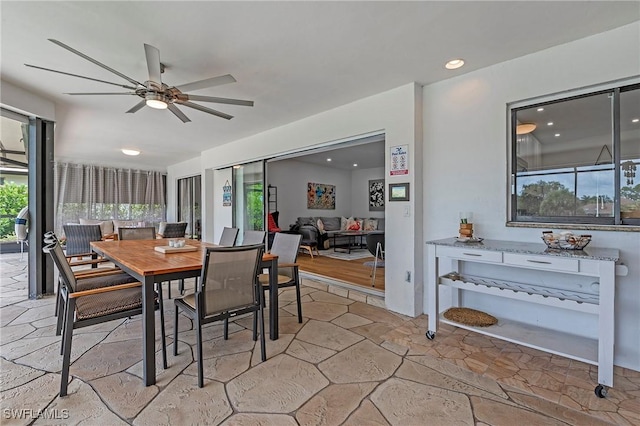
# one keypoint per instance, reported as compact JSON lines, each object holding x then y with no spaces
{"x":591,"y":253}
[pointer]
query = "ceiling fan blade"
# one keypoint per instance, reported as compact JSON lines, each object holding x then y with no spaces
{"x":90,"y":59}
{"x":153,"y":63}
{"x":174,"y":109}
{"x":218,"y":100}
{"x":208,"y":82}
{"x":137,"y":106}
{"x":207,"y":110}
{"x":81,"y":76}
{"x":104,"y":93}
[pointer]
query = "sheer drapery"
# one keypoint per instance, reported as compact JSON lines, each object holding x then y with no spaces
{"x":97,"y":192}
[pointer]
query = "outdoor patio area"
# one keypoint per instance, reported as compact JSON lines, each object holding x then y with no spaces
{"x":350,"y":363}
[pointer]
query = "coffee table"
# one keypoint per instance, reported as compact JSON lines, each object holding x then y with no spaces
{"x":351,"y":240}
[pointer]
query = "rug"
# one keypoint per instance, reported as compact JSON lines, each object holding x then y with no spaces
{"x":370,"y":263}
{"x":470,"y":317}
{"x":354,"y":255}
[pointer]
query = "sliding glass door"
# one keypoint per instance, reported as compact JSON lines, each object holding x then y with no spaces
{"x":248,"y":200}
{"x":189,"y":206}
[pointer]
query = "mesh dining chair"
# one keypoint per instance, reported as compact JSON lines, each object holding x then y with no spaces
{"x":172,"y":229}
{"x":139,"y":233}
{"x":88,"y":303}
{"x":51,"y":238}
{"x":253,"y":237}
{"x":286,"y":247}
{"x":229,"y":236}
{"x":78,"y":244}
{"x":229,"y":287}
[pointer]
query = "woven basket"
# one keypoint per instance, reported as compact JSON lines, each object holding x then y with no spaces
{"x":471,"y":317}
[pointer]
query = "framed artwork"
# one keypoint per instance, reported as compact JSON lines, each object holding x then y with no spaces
{"x":376,"y":195}
{"x":321,"y":196}
{"x":399,"y":191}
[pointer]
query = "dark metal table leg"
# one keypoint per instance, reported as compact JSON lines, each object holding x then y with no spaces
{"x":149,"y":332}
{"x":273,"y":300}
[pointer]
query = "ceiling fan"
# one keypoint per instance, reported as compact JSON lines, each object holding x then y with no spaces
{"x":154,"y":92}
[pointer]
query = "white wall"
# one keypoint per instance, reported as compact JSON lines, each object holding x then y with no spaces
{"x":360,"y":191}
{"x":465,"y":158}
{"x":291,"y":178}
{"x":27,"y":103}
{"x":397,"y":113}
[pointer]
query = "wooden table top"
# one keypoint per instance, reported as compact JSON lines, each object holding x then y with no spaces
{"x":141,"y":257}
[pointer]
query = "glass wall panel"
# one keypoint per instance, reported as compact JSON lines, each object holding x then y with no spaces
{"x":248,"y":197}
{"x":630,"y":154}
{"x":189,"y":206}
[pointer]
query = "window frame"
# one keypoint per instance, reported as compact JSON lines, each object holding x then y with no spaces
{"x":615,"y":222}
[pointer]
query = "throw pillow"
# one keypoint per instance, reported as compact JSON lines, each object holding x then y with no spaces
{"x":353,"y":225}
{"x":370,"y":224}
{"x":331,"y":223}
{"x":320,"y":226}
{"x":273,"y":227}
{"x":106,"y":226}
{"x":343,"y":223}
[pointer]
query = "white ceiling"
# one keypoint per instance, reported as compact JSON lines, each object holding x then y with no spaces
{"x":294,"y":59}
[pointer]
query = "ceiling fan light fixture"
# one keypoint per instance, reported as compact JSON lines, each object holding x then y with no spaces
{"x":156,"y":101}
{"x":523,"y":129}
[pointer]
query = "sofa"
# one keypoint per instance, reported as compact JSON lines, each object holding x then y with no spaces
{"x":321,"y":229}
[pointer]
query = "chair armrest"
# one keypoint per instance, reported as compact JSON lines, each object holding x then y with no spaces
{"x":104,"y":289}
{"x":91,"y":273}
{"x":86,"y":262}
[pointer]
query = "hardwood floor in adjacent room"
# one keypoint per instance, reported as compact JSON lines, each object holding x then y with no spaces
{"x":350,"y":271}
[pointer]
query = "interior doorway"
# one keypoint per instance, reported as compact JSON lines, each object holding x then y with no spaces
{"x":348,"y":167}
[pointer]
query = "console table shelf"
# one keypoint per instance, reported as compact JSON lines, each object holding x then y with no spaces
{"x":574,"y":280}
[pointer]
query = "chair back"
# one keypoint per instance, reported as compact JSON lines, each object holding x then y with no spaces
{"x":143,"y":233}
{"x":59,"y":259}
{"x":372,"y":244}
{"x":173,"y":229}
{"x":286,"y":247}
{"x":79,"y":238}
{"x":250,"y":238}
{"x":228,"y":238}
{"x":229,"y":278}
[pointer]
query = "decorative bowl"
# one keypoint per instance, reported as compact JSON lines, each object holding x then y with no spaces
{"x":565,"y":240}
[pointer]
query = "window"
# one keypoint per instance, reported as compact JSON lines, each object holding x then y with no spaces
{"x":574,"y":160}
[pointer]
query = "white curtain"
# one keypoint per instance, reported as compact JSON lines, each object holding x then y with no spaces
{"x":96,"y":192}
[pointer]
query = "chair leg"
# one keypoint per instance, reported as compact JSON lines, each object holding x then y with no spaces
{"x":226,"y":329}
{"x":66,"y":346}
{"x":60,"y":313}
{"x":255,"y":325}
{"x":199,"y":351}
{"x":163,"y":334}
{"x":298,"y":297}
{"x":263,"y":345}
{"x":181,"y":287}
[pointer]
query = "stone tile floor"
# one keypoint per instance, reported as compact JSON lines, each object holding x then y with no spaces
{"x":349,"y":363}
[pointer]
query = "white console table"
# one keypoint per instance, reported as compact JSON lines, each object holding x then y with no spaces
{"x":597,"y":264}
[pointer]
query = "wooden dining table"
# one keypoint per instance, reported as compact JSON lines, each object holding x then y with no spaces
{"x":139,"y":259}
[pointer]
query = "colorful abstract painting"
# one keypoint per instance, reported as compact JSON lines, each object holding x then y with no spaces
{"x":321,"y":196}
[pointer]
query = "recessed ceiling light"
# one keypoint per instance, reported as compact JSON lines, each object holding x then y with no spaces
{"x":328,"y":159}
{"x":557,"y":135}
{"x":130,"y":151}
{"x":635,"y":120}
{"x":550,"y":123}
{"x":355,"y":164}
{"x":540,"y":109}
{"x":454,"y":64}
